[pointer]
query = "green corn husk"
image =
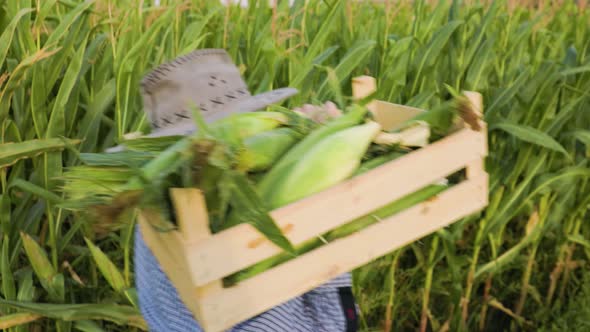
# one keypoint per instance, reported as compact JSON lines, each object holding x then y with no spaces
{"x":268,"y":183}
{"x":239,"y":126}
{"x":329,"y":162}
{"x":261,"y":151}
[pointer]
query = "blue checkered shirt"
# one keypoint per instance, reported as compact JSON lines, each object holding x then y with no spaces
{"x":319,"y":310}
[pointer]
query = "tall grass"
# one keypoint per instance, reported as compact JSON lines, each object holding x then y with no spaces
{"x":69,"y":85}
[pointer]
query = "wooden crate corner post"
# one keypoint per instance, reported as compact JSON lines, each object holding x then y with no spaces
{"x":171,"y":248}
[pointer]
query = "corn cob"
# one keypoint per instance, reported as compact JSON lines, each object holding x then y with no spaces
{"x":263,"y":150}
{"x":330,"y":161}
{"x":239,"y":126}
{"x":269,"y":182}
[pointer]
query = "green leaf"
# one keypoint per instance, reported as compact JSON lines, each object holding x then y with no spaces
{"x":8,"y":287}
{"x":67,"y":21}
{"x":107,"y":268}
{"x":349,"y":62}
{"x":5,"y":212}
{"x":432,"y":52}
{"x":118,"y":314}
{"x":26,"y":290}
{"x":8,"y":33}
{"x":584,"y":137}
{"x":250,"y":208}
{"x":579,"y":239}
{"x":531,"y":135}
{"x":56,"y":126}
{"x":90,"y":124}
{"x":576,"y":70}
{"x":10,"y":153}
{"x":506,"y":95}
{"x":51,"y":281}
{"x":87,"y":326}
{"x":18,"y":75}
{"x":35,"y":190}
{"x":17,"y":319}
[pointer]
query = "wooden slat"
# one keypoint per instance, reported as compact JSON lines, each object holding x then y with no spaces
{"x":262,"y":292}
{"x":364,"y":86}
{"x":168,"y":250}
{"x":241,"y":246}
{"x":191,"y":211}
{"x":391,"y":116}
{"x":476,"y":169}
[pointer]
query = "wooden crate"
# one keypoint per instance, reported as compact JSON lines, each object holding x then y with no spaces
{"x":196,"y":260}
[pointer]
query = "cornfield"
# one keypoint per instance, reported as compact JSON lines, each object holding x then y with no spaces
{"x":69,"y":78}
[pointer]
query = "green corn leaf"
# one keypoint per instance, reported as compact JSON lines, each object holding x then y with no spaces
{"x":54,"y":69}
{"x":35,"y":190}
{"x":44,"y":11}
{"x":476,"y":74}
{"x":334,"y":87}
{"x":51,"y":281}
{"x":476,"y":41}
{"x":38,"y":99}
{"x":18,"y":75}
{"x":107,"y":268}
{"x":316,"y":46}
{"x":497,"y":265}
{"x":579,"y":239}
{"x":87,"y":326}
{"x":348,"y":63}
{"x":8,"y":33}
{"x":10,"y":153}
{"x":575,"y":70}
{"x":26,"y":290}
{"x":505,"y":96}
{"x":8,"y":287}
{"x":325,"y":55}
{"x":118,"y":314}
{"x":251,"y":209}
{"x":565,"y":114}
{"x":67,"y":22}
{"x":17,"y":319}
{"x":584,"y":137}
{"x":5,"y":212}
{"x":56,"y":126}
{"x":531,"y":135}
{"x":90,"y":124}
{"x":428,"y":55}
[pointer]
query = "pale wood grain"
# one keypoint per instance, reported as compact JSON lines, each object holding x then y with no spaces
{"x":233,"y":249}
